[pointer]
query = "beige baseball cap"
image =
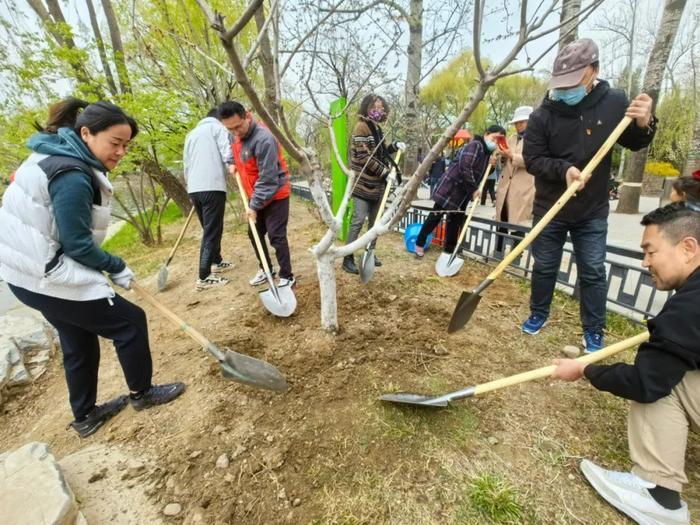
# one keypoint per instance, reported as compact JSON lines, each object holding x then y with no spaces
{"x":571,"y":63}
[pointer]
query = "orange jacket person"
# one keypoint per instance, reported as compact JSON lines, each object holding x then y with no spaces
{"x":259,"y":160}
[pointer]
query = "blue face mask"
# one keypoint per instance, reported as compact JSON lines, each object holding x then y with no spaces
{"x":490,"y":145}
{"x":571,"y":96}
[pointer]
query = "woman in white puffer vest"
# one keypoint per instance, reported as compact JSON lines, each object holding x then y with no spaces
{"x":53,"y":218}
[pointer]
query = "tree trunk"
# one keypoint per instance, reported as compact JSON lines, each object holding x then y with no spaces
{"x":665,"y":35}
{"x":267,"y":66}
{"x":325,"y":268}
{"x":570,"y":10}
{"x":413,"y":75}
{"x":117,"y":47}
{"x":692,"y":162}
{"x":101,"y":48}
{"x":630,"y":76}
{"x":170,"y":183}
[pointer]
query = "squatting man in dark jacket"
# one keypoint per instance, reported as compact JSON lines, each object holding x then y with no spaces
{"x":663,"y":384}
{"x":563,"y":134}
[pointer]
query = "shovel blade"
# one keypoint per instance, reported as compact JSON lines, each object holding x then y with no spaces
{"x":464,"y":310}
{"x":281,"y":304}
{"x":251,"y":371}
{"x":162,"y":278}
{"x":407,"y":398}
{"x":446,"y":268}
{"x":367,"y":266}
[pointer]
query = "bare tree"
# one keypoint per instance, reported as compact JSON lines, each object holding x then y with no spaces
{"x":326,"y":251}
{"x":117,"y":47}
{"x":665,"y":36}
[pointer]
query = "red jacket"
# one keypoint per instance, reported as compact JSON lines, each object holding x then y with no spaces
{"x":259,"y":152}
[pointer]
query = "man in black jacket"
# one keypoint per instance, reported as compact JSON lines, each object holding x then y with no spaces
{"x":563,"y":134}
{"x":663,"y":384}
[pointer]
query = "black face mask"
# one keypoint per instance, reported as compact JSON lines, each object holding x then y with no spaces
{"x":521,"y":134}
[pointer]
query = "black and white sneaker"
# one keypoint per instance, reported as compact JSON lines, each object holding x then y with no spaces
{"x":98,"y":416}
{"x":260,"y":277}
{"x":156,"y":395}
{"x":291,"y":282}
{"x":210,"y":282}
{"x":223,"y":266}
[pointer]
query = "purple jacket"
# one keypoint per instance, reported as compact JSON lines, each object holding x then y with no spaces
{"x":463,"y":176}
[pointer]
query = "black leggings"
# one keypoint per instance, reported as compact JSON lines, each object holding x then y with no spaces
{"x":78,"y":324}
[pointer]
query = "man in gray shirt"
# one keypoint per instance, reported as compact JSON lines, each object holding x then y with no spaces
{"x":206,"y":159}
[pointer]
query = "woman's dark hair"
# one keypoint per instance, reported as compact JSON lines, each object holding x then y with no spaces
{"x":96,"y":117}
{"x":495,"y":128}
{"x":368,"y":101}
{"x":688,"y":186}
{"x":231,"y":108}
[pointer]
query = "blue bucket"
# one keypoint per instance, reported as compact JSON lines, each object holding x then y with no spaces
{"x":410,"y":235}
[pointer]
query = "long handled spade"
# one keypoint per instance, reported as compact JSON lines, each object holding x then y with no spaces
{"x":163,"y":272}
{"x":538,"y":373}
{"x":367,"y":263}
{"x":468,"y":301}
{"x":279,"y":300}
{"x":237,"y":367}
{"x":448,"y":265}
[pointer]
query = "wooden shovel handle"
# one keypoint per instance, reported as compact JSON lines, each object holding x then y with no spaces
{"x":179,"y":237}
{"x":258,"y":244}
{"x":182,"y":325}
{"x":586,"y":173}
{"x":547,"y":371}
{"x":480,"y":189}
{"x":387,"y":190}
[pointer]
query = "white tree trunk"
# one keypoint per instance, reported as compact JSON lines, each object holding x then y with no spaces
{"x":570,"y":10}
{"x":325,"y":268}
{"x":413,"y":75}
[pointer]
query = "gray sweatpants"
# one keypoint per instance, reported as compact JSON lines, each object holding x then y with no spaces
{"x":361,"y":210}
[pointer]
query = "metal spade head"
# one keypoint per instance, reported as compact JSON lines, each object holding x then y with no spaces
{"x":367,"y":266}
{"x":408,"y":398}
{"x":251,"y":371}
{"x":448,"y":264}
{"x":279,"y":300}
{"x":162,"y":278}
{"x":466,"y":305}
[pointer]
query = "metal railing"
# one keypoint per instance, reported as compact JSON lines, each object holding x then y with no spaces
{"x":630,"y":290}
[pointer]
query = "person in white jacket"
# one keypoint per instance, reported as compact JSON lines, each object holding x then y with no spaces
{"x":53,"y":219}
{"x":207,"y":156}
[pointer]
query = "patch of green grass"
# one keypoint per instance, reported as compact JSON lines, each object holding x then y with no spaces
{"x":494,"y":500}
{"x":621,"y":326}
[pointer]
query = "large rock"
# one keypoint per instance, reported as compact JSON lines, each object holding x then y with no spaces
{"x":26,"y":344}
{"x":33,"y":489}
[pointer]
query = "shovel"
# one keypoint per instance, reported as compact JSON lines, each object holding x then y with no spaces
{"x":367,"y":262}
{"x":539,"y":373}
{"x":468,"y":301}
{"x":279,"y":301}
{"x":448,"y":265}
{"x":237,"y":367}
{"x":163,"y":272}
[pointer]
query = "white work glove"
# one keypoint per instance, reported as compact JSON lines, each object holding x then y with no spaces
{"x":400,"y":145}
{"x":123,"y":278}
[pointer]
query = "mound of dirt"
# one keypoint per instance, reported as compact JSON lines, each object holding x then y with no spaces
{"x":327,"y":451}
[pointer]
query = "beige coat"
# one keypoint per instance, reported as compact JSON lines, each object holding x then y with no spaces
{"x":516,"y":187}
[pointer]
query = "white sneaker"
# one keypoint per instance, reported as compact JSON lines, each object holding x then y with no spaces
{"x":210,"y":282}
{"x":223,"y":266}
{"x":260,"y":278}
{"x":287,"y":282}
{"x":628,"y":493}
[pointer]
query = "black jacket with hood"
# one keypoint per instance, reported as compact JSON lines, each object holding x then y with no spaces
{"x":559,"y":136}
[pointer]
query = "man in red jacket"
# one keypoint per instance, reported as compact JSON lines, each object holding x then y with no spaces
{"x":259,"y":159}
{"x":663,"y":384}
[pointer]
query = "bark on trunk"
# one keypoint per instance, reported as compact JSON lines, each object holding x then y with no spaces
{"x":267,"y":66}
{"x":413,"y":74}
{"x":569,"y":31}
{"x":101,"y":48}
{"x":117,"y":47}
{"x":692,"y":162}
{"x":170,"y":183}
{"x":665,"y":36}
{"x":325,"y":268}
